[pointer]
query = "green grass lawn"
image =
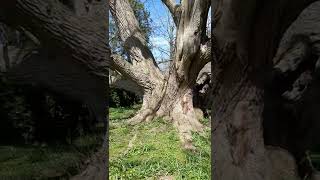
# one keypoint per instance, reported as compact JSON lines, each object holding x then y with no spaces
{"x":152,"y":150}
{"x":50,"y":162}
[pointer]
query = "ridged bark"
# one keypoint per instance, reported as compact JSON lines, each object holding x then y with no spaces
{"x":247,"y":36}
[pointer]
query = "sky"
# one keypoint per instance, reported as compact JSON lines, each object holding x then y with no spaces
{"x":160,"y":17}
{"x":160,"y":20}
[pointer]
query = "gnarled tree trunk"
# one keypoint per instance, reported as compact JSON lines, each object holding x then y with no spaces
{"x":247,"y":36}
{"x":170,"y":95}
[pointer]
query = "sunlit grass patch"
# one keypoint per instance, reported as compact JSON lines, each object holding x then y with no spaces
{"x":155,"y":151}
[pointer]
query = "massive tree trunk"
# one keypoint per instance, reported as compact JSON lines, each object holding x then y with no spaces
{"x":247,"y":36}
{"x":169,"y":95}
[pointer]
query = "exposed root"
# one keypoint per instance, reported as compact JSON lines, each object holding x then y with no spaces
{"x":96,"y":168}
{"x":141,"y":116}
{"x":283,"y":164}
{"x":130,"y":145}
{"x":185,"y":134}
{"x":315,"y":175}
{"x":97,"y":165}
{"x":184,"y":117}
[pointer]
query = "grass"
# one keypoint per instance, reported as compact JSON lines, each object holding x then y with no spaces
{"x":154,"y":151}
{"x":50,"y":162}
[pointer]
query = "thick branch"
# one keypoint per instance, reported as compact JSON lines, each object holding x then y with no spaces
{"x":126,"y":69}
{"x":82,"y":37}
{"x":134,"y":41}
{"x":119,"y":81}
{"x":190,"y":35}
{"x":203,"y":58}
{"x":174,"y":10}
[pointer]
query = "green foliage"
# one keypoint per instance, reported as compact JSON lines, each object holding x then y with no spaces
{"x":156,"y":150}
{"x":16,"y":123}
{"x":30,"y":113}
{"x":57,"y":160}
{"x":122,"y":113}
{"x":143,"y":17}
{"x":122,"y":98}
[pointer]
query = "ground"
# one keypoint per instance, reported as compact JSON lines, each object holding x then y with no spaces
{"x":144,"y":151}
{"x":47,"y":162}
{"x":152,"y":150}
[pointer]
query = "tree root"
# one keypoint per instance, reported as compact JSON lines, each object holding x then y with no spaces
{"x":130,"y":145}
{"x":96,"y":168}
{"x":142,"y":115}
{"x":185,"y":123}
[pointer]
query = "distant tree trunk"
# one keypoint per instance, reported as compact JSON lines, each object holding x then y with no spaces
{"x":246,"y":36}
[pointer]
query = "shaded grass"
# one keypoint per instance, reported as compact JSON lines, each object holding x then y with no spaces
{"x":50,"y":162}
{"x":156,"y":151}
{"x":121,"y":113}
{"x":315,"y":158}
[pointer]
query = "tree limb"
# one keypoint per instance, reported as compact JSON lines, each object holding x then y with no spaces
{"x":190,"y":37}
{"x":121,"y":82}
{"x":173,"y":8}
{"x":82,"y":37}
{"x":134,"y":41}
{"x":204,"y":57}
{"x":126,"y":69}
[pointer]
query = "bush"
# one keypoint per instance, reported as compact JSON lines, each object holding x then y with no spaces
{"x":30,"y":113}
{"x":122,"y":98}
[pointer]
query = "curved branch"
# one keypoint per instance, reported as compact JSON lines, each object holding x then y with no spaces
{"x":126,"y":69}
{"x":190,"y":36}
{"x":204,"y":58}
{"x":174,"y":10}
{"x":134,"y":41}
{"x":51,"y":21}
{"x":121,"y":82}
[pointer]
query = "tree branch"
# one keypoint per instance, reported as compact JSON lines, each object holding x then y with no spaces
{"x":121,"y":82}
{"x":204,"y":57}
{"x":134,"y":41}
{"x":173,"y":8}
{"x":190,"y":37}
{"x":126,"y":69}
{"x":84,"y":38}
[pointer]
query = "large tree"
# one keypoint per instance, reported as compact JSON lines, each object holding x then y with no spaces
{"x":166,"y":95}
{"x":266,"y":84}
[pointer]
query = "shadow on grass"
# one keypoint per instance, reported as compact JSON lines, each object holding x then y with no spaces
{"x":55,"y":161}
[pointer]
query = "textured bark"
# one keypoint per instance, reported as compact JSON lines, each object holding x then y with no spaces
{"x":203,"y":90}
{"x":169,"y":96}
{"x":120,"y":82}
{"x":246,"y":37}
{"x":144,"y":65}
{"x":75,"y":32}
{"x":295,"y":100}
{"x":65,"y":31}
